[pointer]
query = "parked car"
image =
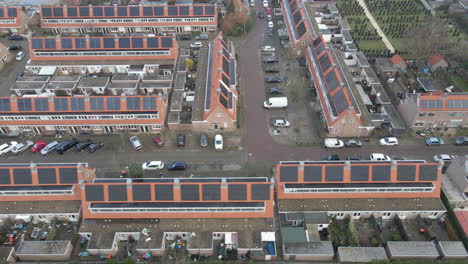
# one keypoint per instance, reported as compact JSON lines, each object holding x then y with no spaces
{"x":333,"y":143}
{"x":218,"y":141}
{"x":15,"y":37}
{"x":275,"y":91}
{"x":268,"y":49}
{"x":273,"y":79}
{"x":49,"y":148}
{"x":398,"y":158}
{"x":332,"y":157}
{"x":388,"y":141}
{"x":353,"y":157}
{"x":271,"y":60}
{"x":353,"y":143}
{"x":265,"y":3}
{"x":65,"y":145}
{"x":202,"y":36}
{"x":20,"y":56}
{"x":153,"y":165}
{"x":19,"y":75}
{"x":7,"y":147}
{"x":38,"y":146}
{"x":261,"y":14}
{"x":185,"y":37}
{"x":270,"y":24}
{"x":268,"y":11}
{"x":269,"y":32}
{"x":461,"y":141}
{"x":95,"y":146}
{"x":280,"y":123}
{"x":15,"y":47}
{"x":379,"y":157}
{"x":434,"y":141}
{"x":23,"y":146}
{"x":178,"y":165}
{"x":159,"y":142}
{"x":445,"y":158}
{"x":181,"y":140}
{"x":203,"y":140}
{"x":83,"y":144}
{"x":136,"y":143}
{"x":196,"y":45}
{"x":269,"y":18}
{"x":271,"y":69}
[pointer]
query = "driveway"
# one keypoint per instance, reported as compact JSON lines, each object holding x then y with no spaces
{"x":8,"y":74}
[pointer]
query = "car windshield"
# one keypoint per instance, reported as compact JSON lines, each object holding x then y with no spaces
{"x":218,"y":141}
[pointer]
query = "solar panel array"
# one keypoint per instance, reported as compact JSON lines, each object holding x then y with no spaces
{"x":102,"y":43}
{"x":431,"y":104}
{"x":8,"y":12}
{"x":297,"y":18}
{"x":457,"y":104}
{"x":121,"y":11}
{"x":45,"y":175}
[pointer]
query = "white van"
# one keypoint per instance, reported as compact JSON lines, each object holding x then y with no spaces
{"x":276,"y":102}
{"x":333,"y":143}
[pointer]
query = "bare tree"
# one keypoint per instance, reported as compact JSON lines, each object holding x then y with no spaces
{"x":427,"y":38}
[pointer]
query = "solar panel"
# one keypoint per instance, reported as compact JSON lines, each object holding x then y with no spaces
{"x":97,"y":12}
{"x":190,"y":192}
{"x":50,"y":43}
{"x":380,"y":173}
{"x":260,"y":192}
{"x":316,"y":42}
{"x":211,"y":192}
{"x":147,"y":11}
{"x":431,"y":104}
{"x":332,"y":80}
{"x":319,"y":48}
{"x":293,"y":6}
{"x":289,"y":174}
{"x":47,"y":175}
{"x":406,"y":173}
{"x":58,"y":11}
{"x":96,"y":103}
{"x":80,"y":43}
{"x":72,"y":11}
{"x":77,"y":104}
{"x":158,"y":11}
{"x":61,"y":104}
{"x":122,"y":11}
{"x":109,"y":43}
{"x":223,"y":101}
{"x":340,"y":102}
{"x":137,"y":43}
{"x":166,"y":42}
{"x":37,"y":43}
{"x":117,"y":192}
{"x":333,"y":173}
{"x":134,"y":11}
{"x":184,"y":10}
{"x":428,"y":172}
{"x":113,"y":103}
{"x":297,"y":18}
{"x":133,"y":103}
{"x":230,"y":101}
{"x":41,"y":104}
{"x":457,"y":104}
{"x":172,"y":11}
{"x":141,"y":192}
{"x":209,"y":10}
{"x":12,"y":12}
{"x":325,"y":62}
{"x":84,"y":11}
{"x":360,"y":173}
{"x":95,"y":43}
{"x":46,"y":12}
{"x":124,"y":43}
{"x":164,"y":192}
{"x":5,"y":104}
{"x":226,"y":66}
{"x":237,"y":192}
{"x":153,"y":42}
{"x":224,"y":91}
{"x":4,"y":175}
{"x":149,"y":103}
{"x":1,"y":12}
{"x":66,"y":43}
{"x":312,"y":173}
{"x":24,"y":104}
{"x":198,"y":10}
{"x":301,"y":29}
{"x":22,"y":176}
{"x":94,"y":192}
{"x":109,"y":11}
{"x":68,"y":175}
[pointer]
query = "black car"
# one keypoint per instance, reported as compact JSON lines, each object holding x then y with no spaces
{"x":203,"y":140}
{"x":15,"y":47}
{"x":83,"y":144}
{"x":15,"y":37}
{"x":181,"y":140}
{"x":353,"y":157}
{"x":275,"y":91}
{"x":271,"y":69}
{"x":65,"y":145}
{"x":269,"y":32}
{"x":273,"y":79}
{"x":270,"y":60}
{"x":332,"y":157}
{"x":178,"y":165}
{"x":261,"y":14}
{"x":185,"y":37}
{"x":95,"y":146}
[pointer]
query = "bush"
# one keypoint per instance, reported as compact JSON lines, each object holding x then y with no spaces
{"x":374,"y":242}
{"x":135,"y":170}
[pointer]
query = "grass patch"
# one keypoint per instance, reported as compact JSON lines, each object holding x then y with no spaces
{"x":460,"y":83}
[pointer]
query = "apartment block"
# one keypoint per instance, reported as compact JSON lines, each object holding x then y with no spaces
{"x":153,"y":19}
{"x":13,"y":20}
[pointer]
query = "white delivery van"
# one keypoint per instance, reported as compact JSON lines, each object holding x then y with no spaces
{"x":276,"y":102}
{"x":333,"y":143}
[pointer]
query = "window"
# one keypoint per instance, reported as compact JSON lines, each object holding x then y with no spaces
{"x":219,"y":115}
{"x":451,"y":114}
{"x":431,"y":114}
{"x":422,"y":114}
{"x":85,"y":127}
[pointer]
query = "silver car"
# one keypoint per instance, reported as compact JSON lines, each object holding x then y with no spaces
{"x":22,"y":147}
{"x":136,"y":144}
{"x":49,"y":148}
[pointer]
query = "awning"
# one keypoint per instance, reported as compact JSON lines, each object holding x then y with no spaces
{"x":47,"y":70}
{"x":268,"y":236}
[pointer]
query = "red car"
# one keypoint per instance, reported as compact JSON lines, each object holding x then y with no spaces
{"x":268,"y":11}
{"x":38,"y":146}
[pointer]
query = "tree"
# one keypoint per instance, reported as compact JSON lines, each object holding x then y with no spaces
{"x":135,"y":170}
{"x":189,"y":63}
{"x":128,"y":260}
{"x":428,"y":38}
{"x":237,"y":20}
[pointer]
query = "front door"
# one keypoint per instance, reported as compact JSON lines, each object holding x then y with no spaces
{"x":37,"y":130}
{"x":144,"y":129}
{"x":73,"y":130}
{"x":109,"y":129}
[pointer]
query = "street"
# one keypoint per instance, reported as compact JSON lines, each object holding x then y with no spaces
{"x":7,"y":75}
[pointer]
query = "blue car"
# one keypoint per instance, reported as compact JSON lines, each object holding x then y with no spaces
{"x":178,"y":165}
{"x":433,"y":141}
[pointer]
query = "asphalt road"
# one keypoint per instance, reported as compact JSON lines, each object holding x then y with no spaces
{"x":8,"y":74}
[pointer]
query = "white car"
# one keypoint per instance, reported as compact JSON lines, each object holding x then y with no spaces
{"x":388,"y":141}
{"x":218,"y":141}
{"x":379,"y":157}
{"x":268,"y":49}
{"x":270,"y":24}
{"x":333,"y":143}
{"x":49,"y":148}
{"x":269,"y":18}
{"x":153,"y":165}
{"x":20,"y":55}
{"x":445,"y":158}
{"x":5,"y":148}
{"x":280,"y":123}
{"x":196,"y":45}
{"x":22,"y":147}
{"x":265,"y":3}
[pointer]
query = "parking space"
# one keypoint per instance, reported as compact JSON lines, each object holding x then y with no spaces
{"x":12,"y":68}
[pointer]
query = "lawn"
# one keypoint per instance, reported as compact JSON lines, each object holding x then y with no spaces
{"x":460,"y":83}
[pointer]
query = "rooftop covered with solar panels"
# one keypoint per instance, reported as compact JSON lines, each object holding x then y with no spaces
{"x":297,"y":20}
{"x":442,"y":102}
{"x":84,"y":104}
{"x":8,"y":13}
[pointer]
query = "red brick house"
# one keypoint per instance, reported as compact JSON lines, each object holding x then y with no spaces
{"x":436,"y":61}
{"x":296,"y":18}
{"x":399,"y":63}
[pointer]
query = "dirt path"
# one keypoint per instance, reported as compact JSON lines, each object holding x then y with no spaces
{"x":376,"y":26}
